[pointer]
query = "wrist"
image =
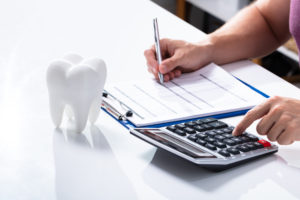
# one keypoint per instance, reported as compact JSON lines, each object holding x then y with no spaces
{"x":206,"y":47}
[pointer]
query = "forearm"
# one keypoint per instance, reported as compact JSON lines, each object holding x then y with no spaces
{"x":249,"y":34}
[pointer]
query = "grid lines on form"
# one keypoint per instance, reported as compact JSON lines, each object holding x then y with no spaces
{"x":155,"y":99}
{"x":181,"y":97}
{"x":137,"y":103}
{"x":223,"y":88}
{"x":200,"y":99}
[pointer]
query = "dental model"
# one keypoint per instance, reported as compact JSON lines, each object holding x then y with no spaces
{"x":76,"y":85}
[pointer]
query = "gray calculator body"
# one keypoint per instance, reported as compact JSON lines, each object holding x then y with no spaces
{"x":191,"y":150}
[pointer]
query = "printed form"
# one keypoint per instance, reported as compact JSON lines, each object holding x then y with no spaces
{"x":208,"y":91}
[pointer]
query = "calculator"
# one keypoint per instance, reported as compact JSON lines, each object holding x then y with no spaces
{"x":207,"y":142}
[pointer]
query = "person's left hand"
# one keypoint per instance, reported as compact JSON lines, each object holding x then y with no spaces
{"x":280,"y":120}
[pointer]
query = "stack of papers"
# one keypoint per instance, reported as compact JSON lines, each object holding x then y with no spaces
{"x":206,"y":92}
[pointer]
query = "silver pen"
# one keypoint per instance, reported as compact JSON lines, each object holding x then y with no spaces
{"x":157,"y":48}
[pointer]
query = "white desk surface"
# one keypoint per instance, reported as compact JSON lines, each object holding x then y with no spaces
{"x":38,"y":162}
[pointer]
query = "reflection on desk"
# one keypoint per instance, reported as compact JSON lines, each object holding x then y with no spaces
{"x":86,"y":167}
{"x":190,"y":181}
{"x":290,"y":156}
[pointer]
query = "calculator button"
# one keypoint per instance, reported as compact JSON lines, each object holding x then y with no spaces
{"x":190,"y":124}
{"x":210,"y":146}
{"x":210,"y":140}
{"x":171,"y":128}
{"x":192,"y":137}
{"x":227,"y":130}
{"x":199,"y":128}
{"x":250,"y":146}
{"x":219,"y":132}
{"x":207,"y":127}
{"x":264,"y":143}
{"x":229,"y":142}
{"x":237,"y":140}
{"x":208,"y":120}
{"x":210,"y":133}
{"x":244,"y":138}
{"x":201,"y":142}
{"x":218,"y":125}
{"x":189,"y":130}
{"x":219,"y":137}
{"x":233,"y":151}
{"x":199,"y":122}
{"x":223,"y":152}
{"x":179,"y":132}
{"x":252,"y":137}
{"x":201,"y":135}
{"x":180,"y":126}
{"x":227,"y":135}
{"x":258,"y":145}
{"x":230,"y":128}
{"x":243,"y":148}
{"x":220,"y":144}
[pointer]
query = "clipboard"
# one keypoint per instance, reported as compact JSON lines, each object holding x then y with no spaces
{"x":122,"y":116}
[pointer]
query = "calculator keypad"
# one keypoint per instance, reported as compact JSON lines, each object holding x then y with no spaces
{"x":217,"y":136}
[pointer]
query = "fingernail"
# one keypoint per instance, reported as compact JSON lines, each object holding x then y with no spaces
{"x":234,"y":132}
{"x":154,"y":70}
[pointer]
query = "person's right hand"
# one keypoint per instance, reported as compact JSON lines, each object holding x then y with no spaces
{"x":178,"y":57}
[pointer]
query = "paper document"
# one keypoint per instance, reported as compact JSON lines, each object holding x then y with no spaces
{"x":208,"y":91}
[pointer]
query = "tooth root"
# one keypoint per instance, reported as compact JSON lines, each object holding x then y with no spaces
{"x":80,"y":116}
{"x":56,"y":110}
{"x":94,"y":110}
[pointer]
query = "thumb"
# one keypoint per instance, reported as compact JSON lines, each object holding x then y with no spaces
{"x":169,"y":64}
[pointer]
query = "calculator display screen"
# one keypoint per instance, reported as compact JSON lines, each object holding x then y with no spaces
{"x":175,"y":143}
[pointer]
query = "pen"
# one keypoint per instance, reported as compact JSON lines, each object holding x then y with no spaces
{"x":157,"y":48}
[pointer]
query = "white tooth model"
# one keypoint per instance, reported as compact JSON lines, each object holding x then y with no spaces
{"x":77,"y":85}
